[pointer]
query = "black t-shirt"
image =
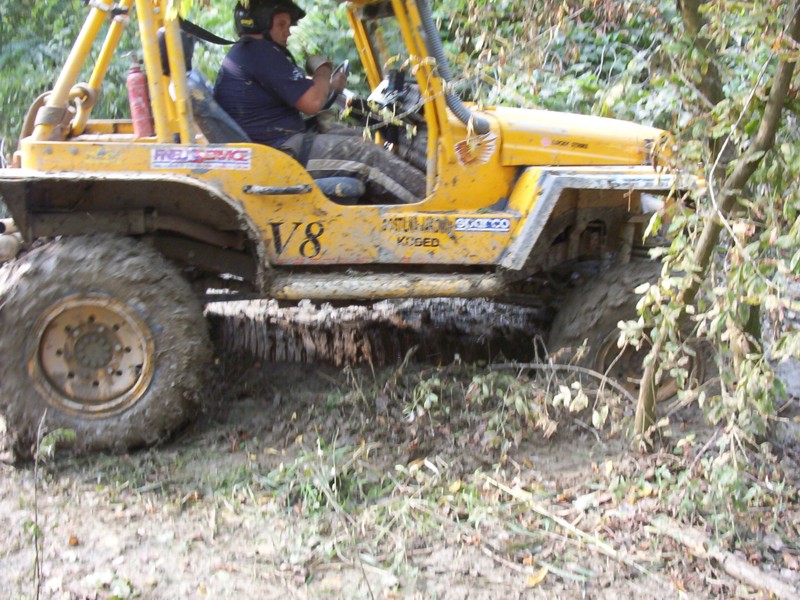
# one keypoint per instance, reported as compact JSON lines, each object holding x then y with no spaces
{"x":258,"y":86}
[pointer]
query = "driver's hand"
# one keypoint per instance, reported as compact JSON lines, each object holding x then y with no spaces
{"x":339,"y":81}
{"x":315,"y":61}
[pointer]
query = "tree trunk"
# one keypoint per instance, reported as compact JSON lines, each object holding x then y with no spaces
{"x":712,"y":226}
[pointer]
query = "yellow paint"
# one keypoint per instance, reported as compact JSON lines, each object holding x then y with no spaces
{"x":538,"y":137}
{"x":146,"y":11}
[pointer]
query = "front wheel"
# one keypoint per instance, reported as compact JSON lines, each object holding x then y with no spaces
{"x":103,"y":334}
{"x":590,"y":316}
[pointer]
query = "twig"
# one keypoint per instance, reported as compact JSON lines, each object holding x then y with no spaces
{"x":571,"y":368}
{"x":345,"y":519}
{"x":703,"y":450}
{"x":151,"y":487}
{"x":593,"y":540}
{"x":37,"y":533}
{"x":698,"y":544}
{"x":492,"y":553}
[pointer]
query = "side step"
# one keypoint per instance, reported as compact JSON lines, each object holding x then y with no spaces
{"x":362,"y":286}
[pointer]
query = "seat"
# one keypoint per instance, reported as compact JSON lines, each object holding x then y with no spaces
{"x":217,"y":125}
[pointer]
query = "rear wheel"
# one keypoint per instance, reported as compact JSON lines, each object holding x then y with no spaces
{"x":591,"y":314}
{"x":103,"y":334}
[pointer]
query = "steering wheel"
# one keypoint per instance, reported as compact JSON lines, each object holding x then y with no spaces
{"x":344,"y":67}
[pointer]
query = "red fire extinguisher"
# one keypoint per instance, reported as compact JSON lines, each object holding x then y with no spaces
{"x":139,"y":101}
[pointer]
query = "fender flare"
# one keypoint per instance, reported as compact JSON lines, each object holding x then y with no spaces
{"x":547,"y":186}
{"x":45,"y":204}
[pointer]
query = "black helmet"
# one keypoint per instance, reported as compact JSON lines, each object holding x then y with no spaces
{"x":257,"y":17}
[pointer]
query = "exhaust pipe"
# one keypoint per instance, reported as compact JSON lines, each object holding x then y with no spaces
{"x":479,"y":124}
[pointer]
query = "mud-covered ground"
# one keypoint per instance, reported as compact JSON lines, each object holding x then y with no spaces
{"x":302,"y":482}
{"x":403,"y":481}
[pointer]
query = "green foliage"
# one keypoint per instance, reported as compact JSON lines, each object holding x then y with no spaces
{"x":326,"y":31}
{"x":331,"y":477}
{"x":36,"y":38}
{"x":47,"y":445}
{"x":511,"y":404}
{"x":581,"y":56}
{"x":752,"y":269}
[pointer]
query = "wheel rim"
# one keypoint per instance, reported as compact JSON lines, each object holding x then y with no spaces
{"x":93,"y":356}
{"x":626,"y":366}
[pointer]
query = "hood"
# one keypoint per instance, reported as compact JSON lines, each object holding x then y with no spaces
{"x":541,"y":137}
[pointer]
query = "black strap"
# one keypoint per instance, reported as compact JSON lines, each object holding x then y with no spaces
{"x":203,"y":34}
{"x":305,"y":148}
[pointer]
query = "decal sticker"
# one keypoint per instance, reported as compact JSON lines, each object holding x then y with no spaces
{"x":307,"y":245}
{"x":564,"y":144}
{"x":417,"y":242}
{"x":477,"y":149}
{"x":103,"y":156}
{"x":480,"y":224}
{"x":413,"y":224}
{"x":201,"y":157}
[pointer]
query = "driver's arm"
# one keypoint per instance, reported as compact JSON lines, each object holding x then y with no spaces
{"x":317,"y":95}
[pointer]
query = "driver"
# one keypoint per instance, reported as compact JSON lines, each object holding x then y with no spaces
{"x":261,"y":87}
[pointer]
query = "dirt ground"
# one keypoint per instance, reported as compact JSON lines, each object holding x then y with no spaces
{"x":297,"y":485}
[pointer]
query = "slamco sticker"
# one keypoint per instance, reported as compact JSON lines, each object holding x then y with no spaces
{"x":201,"y":157}
{"x":483,"y":224}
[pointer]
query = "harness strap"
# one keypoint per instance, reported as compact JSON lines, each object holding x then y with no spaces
{"x":203,"y":34}
{"x":305,"y":148}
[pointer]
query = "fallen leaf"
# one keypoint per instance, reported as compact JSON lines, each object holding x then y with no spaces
{"x":792,"y":561}
{"x":774,"y":542}
{"x":678,"y":584}
{"x":536,"y":578}
{"x":528,"y":561}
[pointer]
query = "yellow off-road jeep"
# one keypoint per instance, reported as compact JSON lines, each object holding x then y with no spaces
{"x":101,"y":319}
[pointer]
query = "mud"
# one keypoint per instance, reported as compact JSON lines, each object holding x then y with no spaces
{"x":236,"y":505}
{"x":202,"y":516}
{"x":82,"y":276}
{"x":438,"y":330}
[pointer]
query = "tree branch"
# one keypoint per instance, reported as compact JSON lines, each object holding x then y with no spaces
{"x":712,"y":226}
{"x":698,"y":544}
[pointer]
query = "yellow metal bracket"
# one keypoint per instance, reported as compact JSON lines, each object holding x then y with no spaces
{"x":146,"y":11}
{"x":85,"y":105}
{"x":51,"y":117}
{"x":177,"y":69}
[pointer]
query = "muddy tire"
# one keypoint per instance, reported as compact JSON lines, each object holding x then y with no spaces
{"x":591,"y":313}
{"x":103,"y":334}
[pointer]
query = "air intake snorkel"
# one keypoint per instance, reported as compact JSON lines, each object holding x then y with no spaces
{"x":479,"y":124}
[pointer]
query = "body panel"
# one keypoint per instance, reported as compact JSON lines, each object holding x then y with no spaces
{"x":537,"y":190}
